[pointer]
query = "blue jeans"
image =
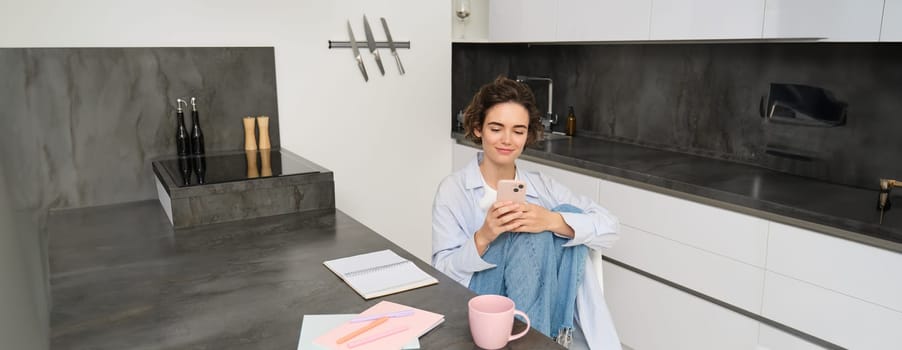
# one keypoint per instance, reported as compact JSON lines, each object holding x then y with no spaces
{"x":538,"y":274}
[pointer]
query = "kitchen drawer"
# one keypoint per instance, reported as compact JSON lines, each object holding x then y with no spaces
{"x":715,"y":275}
{"x":651,"y":316}
{"x":771,"y":338}
{"x":838,"y":318}
{"x":734,"y":235}
{"x":865,"y":272}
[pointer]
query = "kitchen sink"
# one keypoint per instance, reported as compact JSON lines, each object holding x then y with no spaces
{"x":552,"y":137}
{"x":545,"y":144}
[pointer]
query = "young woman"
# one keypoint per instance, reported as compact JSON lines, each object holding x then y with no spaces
{"x":535,"y":253}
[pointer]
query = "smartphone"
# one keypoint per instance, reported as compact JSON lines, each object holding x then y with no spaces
{"x":511,"y":190}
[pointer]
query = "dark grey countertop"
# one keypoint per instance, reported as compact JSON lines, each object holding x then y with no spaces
{"x":227,"y":172}
{"x":842,"y":211}
{"x":122,"y":278}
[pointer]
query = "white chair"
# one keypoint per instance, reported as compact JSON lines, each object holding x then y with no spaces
{"x":595,"y":257}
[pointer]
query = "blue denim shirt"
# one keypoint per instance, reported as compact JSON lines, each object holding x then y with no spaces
{"x":456,"y":216}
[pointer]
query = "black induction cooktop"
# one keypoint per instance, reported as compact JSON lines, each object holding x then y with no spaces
{"x":213,"y":169}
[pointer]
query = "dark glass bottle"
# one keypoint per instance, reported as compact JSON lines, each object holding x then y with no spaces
{"x":197,"y":136}
{"x":571,"y":122}
{"x":185,"y":168}
{"x":181,"y":133}
{"x":200,"y":169}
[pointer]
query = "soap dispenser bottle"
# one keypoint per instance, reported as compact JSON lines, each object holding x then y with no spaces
{"x":181,"y":133}
{"x":571,"y":122}
{"x":197,"y":136}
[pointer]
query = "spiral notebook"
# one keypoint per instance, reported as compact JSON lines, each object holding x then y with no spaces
{"x":379,"y":273}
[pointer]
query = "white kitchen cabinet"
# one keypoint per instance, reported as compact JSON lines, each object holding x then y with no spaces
{"x":833,"y":20}
{"x":613,"y":20}
{"x":868,"y":273}
{"x":602,"y":20}
{"x":770,"y":338}
{"x":730,"y":234}
{"x":522,"y":20}
{"x":712,"y":274}
{"x":838,"y":318}
{"x":706,"y":19}
{"x":650,"y":316}
{"x":892,"y":21}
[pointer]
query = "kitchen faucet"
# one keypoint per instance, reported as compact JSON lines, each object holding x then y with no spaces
{"x":883,"y":202}
{"x":550,"y":117}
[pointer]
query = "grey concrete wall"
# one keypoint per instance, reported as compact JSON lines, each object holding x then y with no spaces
{"x":80,"y":126}
{"x":703,"y":98}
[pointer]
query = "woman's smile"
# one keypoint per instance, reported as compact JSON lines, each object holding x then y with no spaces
{"x":504,"y":151}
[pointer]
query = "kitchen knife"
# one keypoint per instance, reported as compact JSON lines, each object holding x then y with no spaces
{"x":371,"y":42}
{"x":357,"y":52}
{"x":391,"y":45}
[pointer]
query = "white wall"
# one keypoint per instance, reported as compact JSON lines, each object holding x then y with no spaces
{"x":386,"y":140}
{"x":476,"y":27}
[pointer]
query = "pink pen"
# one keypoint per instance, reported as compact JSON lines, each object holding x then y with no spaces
{"x":375,"y":337}
{"x":401,"y":313}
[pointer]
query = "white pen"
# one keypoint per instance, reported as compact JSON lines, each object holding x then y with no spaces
{"x":401,"y":313}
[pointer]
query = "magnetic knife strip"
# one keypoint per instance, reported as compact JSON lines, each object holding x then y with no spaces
{"x":372,"y":45}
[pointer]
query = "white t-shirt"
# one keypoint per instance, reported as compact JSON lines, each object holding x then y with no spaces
{"x":489,"y":196}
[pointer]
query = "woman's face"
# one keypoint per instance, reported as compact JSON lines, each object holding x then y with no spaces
{"x":504,"y":132}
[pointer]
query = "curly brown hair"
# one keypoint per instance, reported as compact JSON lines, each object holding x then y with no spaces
{"x":501,"y":90}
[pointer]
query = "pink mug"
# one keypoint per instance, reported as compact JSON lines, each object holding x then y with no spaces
{"x":492,"y":320}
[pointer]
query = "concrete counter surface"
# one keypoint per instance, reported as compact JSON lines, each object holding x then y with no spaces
{"x":123,"y":278}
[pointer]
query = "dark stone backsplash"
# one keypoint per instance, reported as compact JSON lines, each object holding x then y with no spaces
{"x":704,"y":99}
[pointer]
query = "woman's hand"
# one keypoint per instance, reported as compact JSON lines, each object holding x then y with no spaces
{"x":537,"y":219}
{"x":501,"y":217}
{"x":518,"y":217}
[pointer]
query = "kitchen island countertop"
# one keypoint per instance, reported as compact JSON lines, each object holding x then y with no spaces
{"x":123,"y":278}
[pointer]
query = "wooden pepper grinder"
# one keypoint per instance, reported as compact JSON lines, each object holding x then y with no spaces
{"x":263,"y":126}
{"x":265,"y":164}
{"x":251,"y":161}
{"x":250,"y":140}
